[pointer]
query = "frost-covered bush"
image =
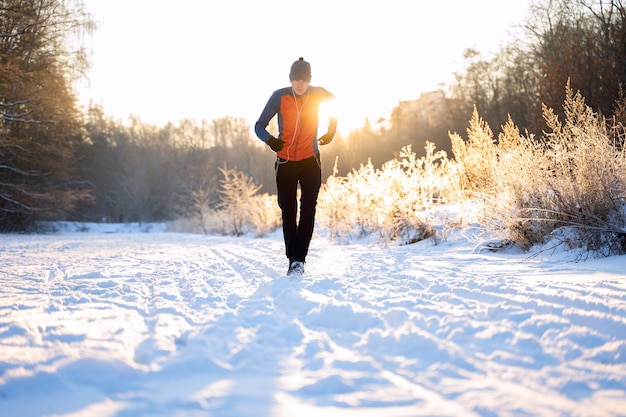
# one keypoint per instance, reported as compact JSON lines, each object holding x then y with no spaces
{"x":475,"y":158}
{"x":240,"y":210}
{"x":573,"y":178}
{"x":568,"y":185}
{"x":389,"y":202}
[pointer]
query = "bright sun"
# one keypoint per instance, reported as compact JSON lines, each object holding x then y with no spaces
{"x":206,"y":60}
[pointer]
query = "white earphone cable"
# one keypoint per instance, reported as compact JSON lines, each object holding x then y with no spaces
{"x":295,"y":129}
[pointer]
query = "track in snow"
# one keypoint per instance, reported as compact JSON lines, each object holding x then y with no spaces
{"x":171,"y":324}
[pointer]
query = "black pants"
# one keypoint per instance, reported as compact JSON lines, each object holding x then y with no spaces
{"x":289,"y":174}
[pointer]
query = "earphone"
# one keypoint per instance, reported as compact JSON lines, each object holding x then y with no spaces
{"x":298,"y":112}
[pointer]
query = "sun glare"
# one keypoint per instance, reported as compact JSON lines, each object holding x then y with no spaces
{"x":206,"y":71}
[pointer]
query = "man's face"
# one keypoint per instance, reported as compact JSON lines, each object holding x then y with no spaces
{"x":300,"y":86}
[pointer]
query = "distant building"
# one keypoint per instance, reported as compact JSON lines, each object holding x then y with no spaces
{"x":424,"y":119}
{"x":428,"y":109}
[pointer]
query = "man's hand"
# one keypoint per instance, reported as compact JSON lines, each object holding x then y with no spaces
{"x":275,"y":144}
{"x":326,"y":139}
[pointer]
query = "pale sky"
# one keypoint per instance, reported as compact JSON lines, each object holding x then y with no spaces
{"x":202,"y":59}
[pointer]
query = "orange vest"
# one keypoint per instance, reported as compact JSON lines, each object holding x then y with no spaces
{"x":297,"y":121}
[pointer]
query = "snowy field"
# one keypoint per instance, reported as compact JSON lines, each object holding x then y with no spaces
{"x":119,"y":323}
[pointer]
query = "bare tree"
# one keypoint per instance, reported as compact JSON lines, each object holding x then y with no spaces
{"x":39,"y":122}
{"x":582,"y":42}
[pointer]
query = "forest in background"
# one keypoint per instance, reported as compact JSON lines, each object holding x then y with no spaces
{"x":58,"y":162}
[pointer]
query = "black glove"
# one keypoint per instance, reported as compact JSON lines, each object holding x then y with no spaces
{"x":326,"y":139}
{"x":275,"y":144}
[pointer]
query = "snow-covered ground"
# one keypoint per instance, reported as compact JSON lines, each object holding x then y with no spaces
{"x":111,"y":322}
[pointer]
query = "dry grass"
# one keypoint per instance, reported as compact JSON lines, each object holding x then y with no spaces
{"x":570,"y":184}
{"x":390,"y":202}
{"x":241,"y":209}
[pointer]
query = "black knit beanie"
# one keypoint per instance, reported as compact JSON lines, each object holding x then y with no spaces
{"x":300,"y":70}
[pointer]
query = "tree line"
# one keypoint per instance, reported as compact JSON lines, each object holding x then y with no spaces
{"x":40,"y":124}
{"x":59,"y":162}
